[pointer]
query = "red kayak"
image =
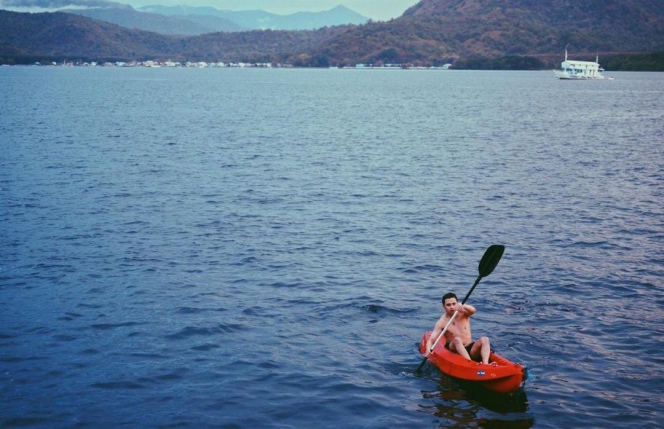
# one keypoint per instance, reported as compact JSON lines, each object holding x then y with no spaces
{"x":500,"y":375}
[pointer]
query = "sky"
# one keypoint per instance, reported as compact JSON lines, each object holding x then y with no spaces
{"x":379,"y":10}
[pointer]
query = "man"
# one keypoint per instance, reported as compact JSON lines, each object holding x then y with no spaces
{"x":458,"y":337}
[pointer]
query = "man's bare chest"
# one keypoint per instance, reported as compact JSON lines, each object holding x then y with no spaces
{"x":458,"y":328}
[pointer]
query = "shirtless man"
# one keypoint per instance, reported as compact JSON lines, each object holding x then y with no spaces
{"x":458,"y":337}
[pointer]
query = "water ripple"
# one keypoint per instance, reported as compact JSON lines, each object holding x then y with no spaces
{"x":265,"y":248}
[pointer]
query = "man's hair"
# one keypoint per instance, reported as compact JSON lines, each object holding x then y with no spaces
{"x":448,"y":296}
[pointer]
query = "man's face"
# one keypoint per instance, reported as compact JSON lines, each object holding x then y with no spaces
{"x":450,"y":304}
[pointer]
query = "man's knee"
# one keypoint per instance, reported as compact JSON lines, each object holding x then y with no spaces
{"x":457,"y":343}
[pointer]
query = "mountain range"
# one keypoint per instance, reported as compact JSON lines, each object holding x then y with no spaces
{"x":261,"y":20}
{"x":157,"y":23}
{"x":432,"y":32}
{"x":189,"y":20}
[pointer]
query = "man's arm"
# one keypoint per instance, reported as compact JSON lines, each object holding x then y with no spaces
{"x":440,"y":325}
{"x":466,"y":310}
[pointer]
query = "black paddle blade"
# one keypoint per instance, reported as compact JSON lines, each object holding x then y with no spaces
{"x":490,"y":259}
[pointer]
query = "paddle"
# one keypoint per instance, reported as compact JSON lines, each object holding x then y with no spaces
{"x":488,"y":262}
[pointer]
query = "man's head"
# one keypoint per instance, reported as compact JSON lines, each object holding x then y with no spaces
{"x":450,"y":302}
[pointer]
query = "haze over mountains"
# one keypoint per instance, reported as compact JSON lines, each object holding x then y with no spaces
{"x":188,"y":20}
{"x":433,"y":32}
{"x":176,"y":25}
{"x":261,"y":20}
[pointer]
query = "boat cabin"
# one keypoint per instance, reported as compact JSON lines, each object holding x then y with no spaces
{"x":572,"y":69}
{"x":581,"y":69}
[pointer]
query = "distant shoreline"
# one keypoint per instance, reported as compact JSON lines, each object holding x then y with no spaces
{"x":643,"y":62}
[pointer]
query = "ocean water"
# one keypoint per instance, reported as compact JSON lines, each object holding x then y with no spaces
{"x":265,"y":248}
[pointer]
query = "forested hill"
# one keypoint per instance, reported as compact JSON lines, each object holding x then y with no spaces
{"x":435,"y":30}
{"x":553,"y":12}
{"x":432,"y":32}
{"x":543,"y":26}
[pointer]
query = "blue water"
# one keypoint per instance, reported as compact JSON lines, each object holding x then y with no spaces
{"x":265,"y":248}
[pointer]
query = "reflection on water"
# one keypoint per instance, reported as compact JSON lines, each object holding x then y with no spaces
{"x":459,"y":403}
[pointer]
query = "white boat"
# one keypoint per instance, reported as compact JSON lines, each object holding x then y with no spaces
{"x":579,"y":70}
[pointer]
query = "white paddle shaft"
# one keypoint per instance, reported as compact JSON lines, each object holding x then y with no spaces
{"x":444,"y":330}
